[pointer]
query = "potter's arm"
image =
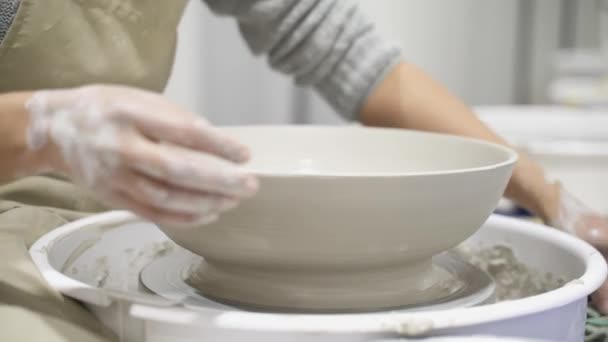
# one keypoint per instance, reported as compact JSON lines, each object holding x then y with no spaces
{"x":327,"y":44}
{"x":408,"y":98}
{"x":330,"y":45}
{"x":120,"y":144}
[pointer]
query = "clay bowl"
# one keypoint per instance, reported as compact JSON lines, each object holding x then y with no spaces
{"x":347,"y":218}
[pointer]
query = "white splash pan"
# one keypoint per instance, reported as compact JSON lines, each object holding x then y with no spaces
{"x":557,"y":315}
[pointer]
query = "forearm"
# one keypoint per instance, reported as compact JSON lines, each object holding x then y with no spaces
{"x":329,"y":45}
{"x":408,"y":98}
{"x":17,"y":159}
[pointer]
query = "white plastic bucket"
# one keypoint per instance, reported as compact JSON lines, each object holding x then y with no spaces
{"x":557,"y":315}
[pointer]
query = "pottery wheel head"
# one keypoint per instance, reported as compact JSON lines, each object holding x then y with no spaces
{"x":449,"y":282}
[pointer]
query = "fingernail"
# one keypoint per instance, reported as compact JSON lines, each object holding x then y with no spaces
{"x":252,"y":184}
{"x":243,"y":154}
{"x":228,"y":204}
{"x":208,"y":219}
{"x":237,"y":153}
{"x":242,"y":184}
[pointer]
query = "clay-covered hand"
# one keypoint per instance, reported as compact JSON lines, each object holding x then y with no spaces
{"x":573,"y":216}
{"x":135,"y":150}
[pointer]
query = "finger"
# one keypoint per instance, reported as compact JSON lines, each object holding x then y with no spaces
{"x":190,"y":170}
{"x":599,"y":299}
{"x":169,"y":123}
{"x":593,"y":228}
{"x":206,"y":219}
{"x":209,"y":138}
{"x":161,"y":195}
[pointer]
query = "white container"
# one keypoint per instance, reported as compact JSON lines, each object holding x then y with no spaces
{"x":115,"y":246}
{"x":572,"y":145}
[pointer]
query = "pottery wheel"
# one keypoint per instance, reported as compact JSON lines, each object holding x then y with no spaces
{"x":168,"y":277}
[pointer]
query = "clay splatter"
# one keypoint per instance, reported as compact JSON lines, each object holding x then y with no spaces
{"x":513,"y":278}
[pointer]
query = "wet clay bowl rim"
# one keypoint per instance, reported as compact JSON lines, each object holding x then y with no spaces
{"x":263,"y":172}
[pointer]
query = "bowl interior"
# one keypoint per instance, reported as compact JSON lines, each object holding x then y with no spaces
{"x":359,"y":151}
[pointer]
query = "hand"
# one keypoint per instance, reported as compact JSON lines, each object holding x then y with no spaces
{"x":137,"y":151}
{"x":574,"y":217}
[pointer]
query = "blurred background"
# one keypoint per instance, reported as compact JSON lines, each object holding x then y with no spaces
{"x":486,"y":51}
{"x":534,"y":70}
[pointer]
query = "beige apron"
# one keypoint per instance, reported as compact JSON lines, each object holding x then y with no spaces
{"x":58,"y":44}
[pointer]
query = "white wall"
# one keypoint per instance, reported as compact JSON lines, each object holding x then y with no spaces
{"x":469,"y":45}
{"x":545,"y":35}
{"x":186,"y":79}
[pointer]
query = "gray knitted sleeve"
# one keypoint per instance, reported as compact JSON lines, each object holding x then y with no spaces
{"x":328,"y":44}
{"x":8,"y":9}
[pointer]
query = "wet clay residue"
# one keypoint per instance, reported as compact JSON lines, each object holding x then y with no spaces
{"x":450,"y":285}
{"x":513,"y":278}
{"x":102,"y":272}
{"x":98,"y":273}
{"x":411,"y":326}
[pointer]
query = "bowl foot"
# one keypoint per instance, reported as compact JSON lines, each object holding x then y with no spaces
{"x":356,"y":290}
